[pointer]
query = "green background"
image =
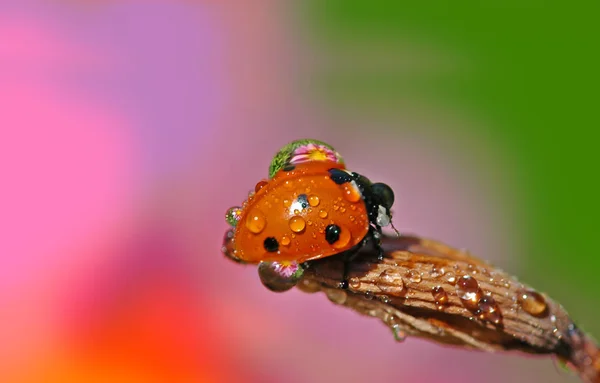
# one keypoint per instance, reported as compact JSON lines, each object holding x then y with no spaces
{"x":534,"y":76}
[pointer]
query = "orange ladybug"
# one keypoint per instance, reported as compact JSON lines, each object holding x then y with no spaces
{"x":310,"y":208}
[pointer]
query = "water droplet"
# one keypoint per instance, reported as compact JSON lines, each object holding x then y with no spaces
{"x":354,"y":283}
{"x":489,"y":310}
{"x":532,"y":302}
{"x":342,"y":210}
{"x":394,"y":323}
{"x":414,"y":276}
{"x":336,"y":207}
{"x":368,"y":295}
{"x":307,"y":190}
{"x":435,"y":272}
{"x":353,"y":207}
{"x":296,"y":211}
{"x":323,"y":213}
{"x":384,"y":299}
{"x":387,"y":276}
{"x":344,"y":238}
{"x":337,"y":296}
{"x":468,"y":291}
{"x":256,"y":222}
{"x":233,"y":215}
{"x":439,"y":296}
{"x":297,"y":224}
{"x":313,"y":200}
{"x":285,"y":240}
{"x":287,"y":203}
{"x":260,"y":185}
{"x":228,"y":247}
{"x":279,"y":276}
{"x":451,"y":278}
{"x":288,"y":184}
{"x":390,"y":283}
{"x":399,"y":335}
{"x":351,"y":193}
{"x":309,"y":286}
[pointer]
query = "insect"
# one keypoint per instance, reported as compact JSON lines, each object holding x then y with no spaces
{"x":310,"y":208}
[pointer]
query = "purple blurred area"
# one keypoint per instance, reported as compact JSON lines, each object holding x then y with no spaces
{"x":128,"y":129}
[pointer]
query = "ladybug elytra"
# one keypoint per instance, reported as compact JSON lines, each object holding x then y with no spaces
{"x":310,"y":207}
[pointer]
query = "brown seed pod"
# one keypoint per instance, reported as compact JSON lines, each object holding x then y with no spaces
{"x":426,"y":289}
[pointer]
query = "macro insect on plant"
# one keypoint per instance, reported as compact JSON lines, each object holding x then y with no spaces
{"x":318,"y":226}
{"x":311,"y":207}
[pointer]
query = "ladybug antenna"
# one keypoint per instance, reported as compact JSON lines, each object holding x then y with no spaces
{"x":392,"y":225}
{"x":396,"y":230}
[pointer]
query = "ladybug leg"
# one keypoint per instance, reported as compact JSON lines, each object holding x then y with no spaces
{"x":374,"y":236}
{"x":348,"y":257}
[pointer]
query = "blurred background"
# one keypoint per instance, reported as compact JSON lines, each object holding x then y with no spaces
{"x":128,"y":128}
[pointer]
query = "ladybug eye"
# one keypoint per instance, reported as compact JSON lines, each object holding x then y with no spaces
{"x":332,"y":234}
{"x":384,"y":193}
{"x":271,"y":245}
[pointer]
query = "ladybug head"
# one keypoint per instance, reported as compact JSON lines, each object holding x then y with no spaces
{"x":383,"y":196}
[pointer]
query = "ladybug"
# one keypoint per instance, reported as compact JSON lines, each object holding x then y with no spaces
{"x":310,"y":208}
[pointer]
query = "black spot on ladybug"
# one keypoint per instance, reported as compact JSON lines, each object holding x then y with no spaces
{"x":339,"y":176}
{"x":303,"y":200}
{"x":332,"y":233}
{"x":289,"y":167}
{"x":271,"y":245}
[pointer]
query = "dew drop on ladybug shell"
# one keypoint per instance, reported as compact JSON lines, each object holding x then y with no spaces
{"x":297,"y":224}
{"x":313,"y":200}
{"x":256,"y":222}
{"x":351,"y":193}
{"x":233,"y":215}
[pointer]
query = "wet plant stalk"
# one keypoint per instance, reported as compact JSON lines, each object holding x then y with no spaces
{"x":426,"y":289}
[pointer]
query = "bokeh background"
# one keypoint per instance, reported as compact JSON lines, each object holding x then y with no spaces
{"x":128,"y":128}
